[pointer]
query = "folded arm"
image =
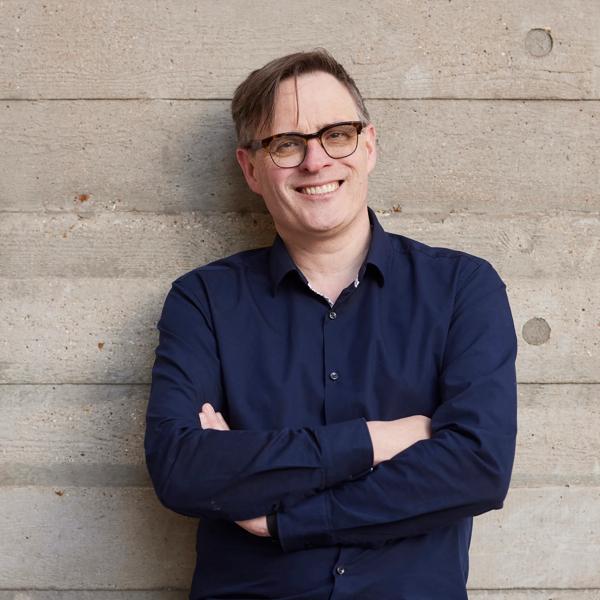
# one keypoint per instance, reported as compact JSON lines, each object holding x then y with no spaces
{"x":235,"y":474}
{"x":388,"y":439}
{"x":463,"y":470}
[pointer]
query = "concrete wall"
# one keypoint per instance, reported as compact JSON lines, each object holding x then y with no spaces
{"x":117,"y":175}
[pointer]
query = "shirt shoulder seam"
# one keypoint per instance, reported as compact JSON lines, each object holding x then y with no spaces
{"x":408,"y":246}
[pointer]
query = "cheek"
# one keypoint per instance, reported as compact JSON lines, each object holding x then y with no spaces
{"x":273,"y":183}
{"x":367,"y":165}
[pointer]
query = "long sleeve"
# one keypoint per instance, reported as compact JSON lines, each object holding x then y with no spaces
{"x":463,"y":470}
{"x":235,"y":474}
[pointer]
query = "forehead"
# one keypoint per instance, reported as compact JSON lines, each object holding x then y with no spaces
{"x":317,"y":100}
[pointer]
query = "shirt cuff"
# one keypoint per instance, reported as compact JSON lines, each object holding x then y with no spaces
{"x":347,"y":450}
{"x":272,"y":526}
{"x":305,"y":524}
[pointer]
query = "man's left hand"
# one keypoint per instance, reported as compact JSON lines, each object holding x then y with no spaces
{"x":209,"y":419}
{"x":256,"y":526}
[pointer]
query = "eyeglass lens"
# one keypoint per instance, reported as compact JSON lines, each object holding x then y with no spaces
{"x":338,"y":142}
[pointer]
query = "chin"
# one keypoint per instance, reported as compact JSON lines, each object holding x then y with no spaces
{"x":324,"y":222}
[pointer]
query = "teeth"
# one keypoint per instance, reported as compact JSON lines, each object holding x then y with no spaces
{"x":322,"y":189}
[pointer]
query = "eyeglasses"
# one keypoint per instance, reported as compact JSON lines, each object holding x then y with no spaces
{"x":288,"y":150}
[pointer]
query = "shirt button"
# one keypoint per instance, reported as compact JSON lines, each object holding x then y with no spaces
{"x":332,"y":314}
{"x":333,"y":375}
{"x":340,"y":570}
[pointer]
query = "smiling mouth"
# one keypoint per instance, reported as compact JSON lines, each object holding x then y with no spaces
{"x":317,"y":190}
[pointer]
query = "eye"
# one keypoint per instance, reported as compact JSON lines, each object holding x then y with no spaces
{"x":340,"y":134}
{"x":286,"y":145}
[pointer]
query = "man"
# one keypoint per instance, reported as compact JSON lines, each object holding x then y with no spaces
{"x":335,"y":408}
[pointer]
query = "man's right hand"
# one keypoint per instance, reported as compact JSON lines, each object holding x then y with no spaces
{"x":392,"y":437}
{"x":388,"y":437}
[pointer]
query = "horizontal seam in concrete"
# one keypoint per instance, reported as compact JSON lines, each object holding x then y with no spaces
{"x":168,"y":589}
{"x":70,"y":485}
{"x":367,"y":99}
{"x":130,"y":383}
{"x":56,"y":589}
{"x":89,"y":214}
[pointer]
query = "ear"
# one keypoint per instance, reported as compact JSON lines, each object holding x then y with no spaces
{"x":371,"y":146}
{"x":247,"y":161}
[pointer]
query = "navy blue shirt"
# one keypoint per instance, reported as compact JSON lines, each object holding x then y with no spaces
{"x":427,"y":331}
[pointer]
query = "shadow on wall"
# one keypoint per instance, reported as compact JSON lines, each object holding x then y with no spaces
{"x":203,"y":162}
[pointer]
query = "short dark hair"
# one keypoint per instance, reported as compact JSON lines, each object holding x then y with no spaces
{"x":253,"y":102}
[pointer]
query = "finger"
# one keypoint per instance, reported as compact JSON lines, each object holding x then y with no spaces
{"x":222,"y":421}
{"x":208,"y":408}
{"x":212,"y":421}
{"x":209,"y":422}
{"x":209,"y":413}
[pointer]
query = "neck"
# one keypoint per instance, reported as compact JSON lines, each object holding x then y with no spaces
{"x":335,"y":257}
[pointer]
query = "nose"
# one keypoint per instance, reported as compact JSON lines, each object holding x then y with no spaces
{"x":316,"y":158}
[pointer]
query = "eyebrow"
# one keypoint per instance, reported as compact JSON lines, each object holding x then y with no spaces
{"x":320,"y":126}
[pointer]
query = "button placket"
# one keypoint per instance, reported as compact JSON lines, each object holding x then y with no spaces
{"x":333,"y":364}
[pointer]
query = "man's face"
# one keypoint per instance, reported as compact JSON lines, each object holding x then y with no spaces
{"x":322,"y":100}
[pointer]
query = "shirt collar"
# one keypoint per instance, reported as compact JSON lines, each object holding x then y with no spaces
{"x":281,"y":263}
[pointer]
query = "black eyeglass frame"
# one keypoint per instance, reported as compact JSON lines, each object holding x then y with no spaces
{"x":265,"y":142}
